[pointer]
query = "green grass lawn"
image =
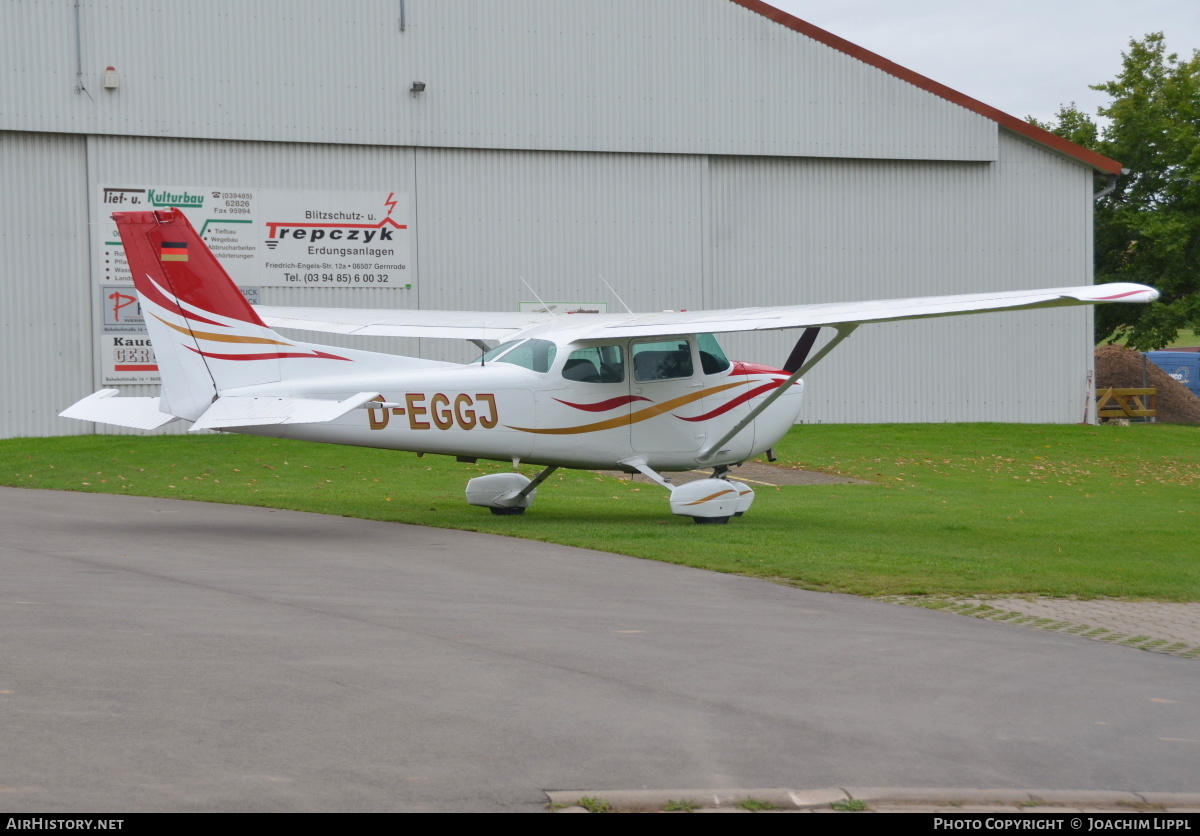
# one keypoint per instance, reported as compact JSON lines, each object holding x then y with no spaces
{"x":953,"y":509}
{"x":1186,"y":339}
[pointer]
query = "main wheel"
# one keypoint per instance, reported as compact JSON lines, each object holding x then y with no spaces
{"x":506,"y":512}
{"x":711,"y":520}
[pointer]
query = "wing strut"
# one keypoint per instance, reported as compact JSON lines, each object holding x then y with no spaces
{"x":843,"y":331}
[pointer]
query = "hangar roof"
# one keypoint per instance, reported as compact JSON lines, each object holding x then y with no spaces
{"x":736,"y":78}
{"x":1012,"y":123}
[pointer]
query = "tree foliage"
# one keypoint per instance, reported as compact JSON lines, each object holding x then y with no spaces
{"x":1148,"y":227}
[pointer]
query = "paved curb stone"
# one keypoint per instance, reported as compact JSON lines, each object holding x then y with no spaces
{"x":879,"y":799}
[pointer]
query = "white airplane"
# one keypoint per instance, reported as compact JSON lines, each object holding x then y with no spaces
{"x":648,"y":393}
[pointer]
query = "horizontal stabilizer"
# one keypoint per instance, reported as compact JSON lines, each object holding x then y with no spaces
{"x":102,"y":407}
{"x":232,"y":412}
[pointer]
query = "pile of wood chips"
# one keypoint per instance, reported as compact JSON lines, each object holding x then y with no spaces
{"x":1121,"y":367}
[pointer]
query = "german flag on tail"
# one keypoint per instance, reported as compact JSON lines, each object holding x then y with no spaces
{"x":173,"y":251}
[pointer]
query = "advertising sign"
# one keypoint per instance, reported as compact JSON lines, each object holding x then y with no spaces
{"x":276,"y":237}
{"x":263,"y":238}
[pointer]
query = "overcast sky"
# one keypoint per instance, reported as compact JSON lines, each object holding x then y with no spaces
{"x":1025,"y":57}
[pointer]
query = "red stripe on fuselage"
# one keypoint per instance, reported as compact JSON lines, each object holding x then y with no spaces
{"x":604,"y":406}
{"x":736,"y":402}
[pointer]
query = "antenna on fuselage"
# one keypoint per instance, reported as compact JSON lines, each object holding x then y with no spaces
{"x":614,"y":293}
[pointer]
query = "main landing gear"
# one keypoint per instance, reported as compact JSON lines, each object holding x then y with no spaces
{"x":505,"y":494}
{"x":707,"y":501}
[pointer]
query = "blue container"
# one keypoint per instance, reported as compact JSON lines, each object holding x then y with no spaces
{"x":1184,"y":366}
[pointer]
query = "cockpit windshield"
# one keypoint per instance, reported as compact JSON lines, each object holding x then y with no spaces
{"x":535,"y":355}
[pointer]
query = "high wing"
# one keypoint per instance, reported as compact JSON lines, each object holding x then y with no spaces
{"x":374,"y":322}
{"x":884,"y":310}
{"x":472,"y":325}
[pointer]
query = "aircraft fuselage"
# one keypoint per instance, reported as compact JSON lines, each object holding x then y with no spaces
{"x":499,"y":410}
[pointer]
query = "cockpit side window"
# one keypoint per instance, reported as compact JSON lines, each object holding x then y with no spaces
{"x":596,"y":364}
{"x":712,"y":356}
{"x":666,"y":360}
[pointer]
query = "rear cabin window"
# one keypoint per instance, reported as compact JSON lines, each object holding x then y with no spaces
{"x":597,"y":364}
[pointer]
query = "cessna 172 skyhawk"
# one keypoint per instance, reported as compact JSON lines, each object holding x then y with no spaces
{"x":633,"y":392}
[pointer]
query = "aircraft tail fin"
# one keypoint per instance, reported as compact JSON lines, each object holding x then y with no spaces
{"x":207,"y":338}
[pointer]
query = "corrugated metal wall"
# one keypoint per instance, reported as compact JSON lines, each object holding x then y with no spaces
{"x":487,"y":219}
{"x":46,"y":318}
{"x":653,"y":76}
{"x":788,"y":231}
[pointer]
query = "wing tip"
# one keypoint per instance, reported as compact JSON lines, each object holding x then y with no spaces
{"x":1124,"y":292}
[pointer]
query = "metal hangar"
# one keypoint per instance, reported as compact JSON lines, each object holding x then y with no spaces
{"x":694,"y":153}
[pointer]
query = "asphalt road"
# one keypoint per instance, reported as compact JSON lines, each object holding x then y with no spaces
{"x":164,"y":655}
